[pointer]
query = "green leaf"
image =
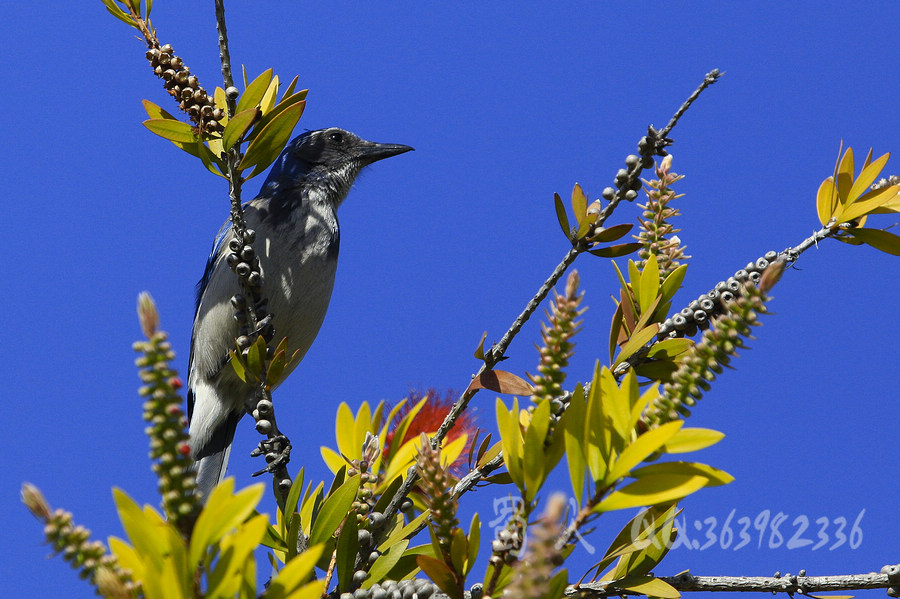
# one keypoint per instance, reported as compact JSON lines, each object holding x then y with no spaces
{"x":673,"y":282}
{"x":276,"y":369}
{"x":459,"y":550}
{"x":651,"y":491}
{"x":118,"y":13}
{"x":668,"y":349}
{"x":254,"y":92}
{"x":176,"y":131}
{"x":385,"y":562}
{"x":692,"y":439}
{"x":237,"y":126}
{"x":398,"y":536}
{"x":474,"y":538}
{"x":556,"y":586}
{"x":255,"y":356}
{"x":295,"y":573}
{"x":440,"y":574}
{"x":561,"y":216}
{"x":641,"y":448}
{"x":293,"y":499}
{"x":714,"y":476}
{"x":238,"y":364}
{"x":345,"y":555}
{"x":615,"y":251}
{"x":333,"y":511}
{"x":574,"y":433}
{"x":878,"y":239}
{"x":266,"y":147}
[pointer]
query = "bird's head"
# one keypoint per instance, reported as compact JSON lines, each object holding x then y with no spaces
{"x":330,"y":158}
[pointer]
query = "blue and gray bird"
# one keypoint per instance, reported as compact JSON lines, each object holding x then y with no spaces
{"x":297,"y":237}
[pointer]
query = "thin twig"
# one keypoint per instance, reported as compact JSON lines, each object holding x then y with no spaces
{"x":763,"y":584}
{"x":276,"y":445}
{"x":498,"y":350}
{"x":710,"y":78}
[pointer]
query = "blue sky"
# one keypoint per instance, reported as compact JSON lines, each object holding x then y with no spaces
{"x":505,"y":105}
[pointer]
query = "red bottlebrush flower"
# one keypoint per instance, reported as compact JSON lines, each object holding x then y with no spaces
{"x":429,"y":419}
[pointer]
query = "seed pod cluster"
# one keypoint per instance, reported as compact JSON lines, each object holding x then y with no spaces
{"x":696,"y":316}
{"x":186,"y":89}
{"x":389,"y":589}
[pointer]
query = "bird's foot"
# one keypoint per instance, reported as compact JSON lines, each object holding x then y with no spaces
{"x":277,"y":451}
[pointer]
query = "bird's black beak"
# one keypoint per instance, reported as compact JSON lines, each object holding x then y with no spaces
{"x":372,"y":152}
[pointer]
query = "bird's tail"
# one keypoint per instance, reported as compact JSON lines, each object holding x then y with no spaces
{"x":212,"y":459}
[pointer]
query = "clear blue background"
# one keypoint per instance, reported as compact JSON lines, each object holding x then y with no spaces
{"x":505,"y":104}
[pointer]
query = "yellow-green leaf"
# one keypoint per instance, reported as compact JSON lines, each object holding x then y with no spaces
{"x":878,"y":239}
{"x":223,"y":512}
{"x":270,"y":96}
{"x":641,"y":448}
{"x":637,"y":341}
{"x":298,"y":98}
{"x":673,"y":282}
{"x":266,"y":147}
{"x":649,"y":283}
{"x":692,"y":439}
{"x":237,"y":126}
{"x":668,"y":349}
{"x":652,"y":490}
{"x":574,"y":433}
{"x":845,"y":176}
{"x":868,"y":175}
{"x":511,"y":438}
{"x":254,"y":92}
{"x":143,"y":530}
{"x":647,"y":585}
{"x":579,"y":204}
{"x":172,"y":130}
{"x":295,"y":573}
{"x":826,"y":200}
{"x":868,"y":202}
{"x":714,"y":476}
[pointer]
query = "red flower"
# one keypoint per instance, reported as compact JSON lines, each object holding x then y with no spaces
{"x":429,"y":419}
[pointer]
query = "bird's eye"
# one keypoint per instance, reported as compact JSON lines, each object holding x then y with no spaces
{"x":336,"y":137}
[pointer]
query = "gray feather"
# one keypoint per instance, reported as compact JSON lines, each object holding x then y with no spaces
{"x":297,"y":241}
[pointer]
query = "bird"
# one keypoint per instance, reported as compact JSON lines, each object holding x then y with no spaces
{"x":297,"y":237}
